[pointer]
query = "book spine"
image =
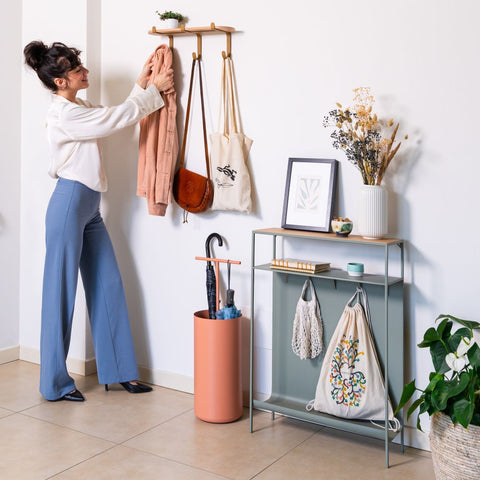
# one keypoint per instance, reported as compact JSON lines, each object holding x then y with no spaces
{"x":291,"y":269}
{"x":278,"y":262}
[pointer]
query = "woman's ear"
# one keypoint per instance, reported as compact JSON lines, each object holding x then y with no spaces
{"x":61,"y":83}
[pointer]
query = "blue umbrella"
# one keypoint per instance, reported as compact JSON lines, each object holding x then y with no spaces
{"x":229,"y":310}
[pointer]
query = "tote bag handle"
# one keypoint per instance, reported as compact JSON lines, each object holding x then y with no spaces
{"x":228,"y":107}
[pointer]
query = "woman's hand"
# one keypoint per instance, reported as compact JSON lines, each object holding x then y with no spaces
{"x":146,"y":72}
{"x":164,"y":81}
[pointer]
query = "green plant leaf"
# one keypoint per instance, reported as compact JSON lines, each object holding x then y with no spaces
{"x":470,"y":324}
{"x":407,"y":393}
{"x":443,"y":326}
{"x":455,"y":338}
{"x":414,"y":406}
{"x":431,"y":335}
{"x":463,"y":410}
{"x":419,"y":426}
{"x":447,"y":389}
{"x":475,"y":419}
{"x":438,"y":353}
{"x":437,"y":377}
{"x":474,"y":356}
{"x":440,"y":397}
{"x":458,"y":386}
{"x":426,"y":405}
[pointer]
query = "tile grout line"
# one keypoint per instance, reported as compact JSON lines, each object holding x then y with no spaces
{"x":286,"y":453}
{"x":83,"y":461}
{"x":155,"y":426}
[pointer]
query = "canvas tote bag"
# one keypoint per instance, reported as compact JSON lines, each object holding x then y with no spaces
{"x":351,"y":383}
{"x":229,"y":152}
{"x":307,"y":337}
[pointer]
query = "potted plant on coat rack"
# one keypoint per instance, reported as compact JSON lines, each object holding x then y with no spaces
{"x":451,"y":398}
{"x":171,"y":19}
{"x":363,"y":137}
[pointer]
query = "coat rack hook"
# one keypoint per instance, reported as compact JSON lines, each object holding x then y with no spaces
{"x":170,"y":42}
{"x":228,"y":53}
{"x":198,"y":55}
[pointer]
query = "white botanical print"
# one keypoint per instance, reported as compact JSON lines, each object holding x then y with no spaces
{"x":307,"y":196}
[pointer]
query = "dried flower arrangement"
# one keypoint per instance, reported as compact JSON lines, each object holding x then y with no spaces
{"x":359,"y":133}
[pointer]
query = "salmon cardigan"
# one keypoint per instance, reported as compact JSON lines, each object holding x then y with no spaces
{"x":158,"y":144}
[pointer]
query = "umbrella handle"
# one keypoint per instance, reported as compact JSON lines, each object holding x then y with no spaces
{"x":207,"y":243}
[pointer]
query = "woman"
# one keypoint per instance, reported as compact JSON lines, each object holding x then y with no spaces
{"x":76,"y":237}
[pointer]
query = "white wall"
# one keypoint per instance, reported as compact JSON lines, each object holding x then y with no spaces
{"x":420,"y":58}
{"x":10,"y":39}
{"x":47,"y":21}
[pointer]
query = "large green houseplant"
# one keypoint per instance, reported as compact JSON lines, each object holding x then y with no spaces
{"x":451,"y":398}
{"x":454,"y":387}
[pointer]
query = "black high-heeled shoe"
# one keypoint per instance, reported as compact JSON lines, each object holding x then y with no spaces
{"x":75,"y":396}
{"x":131,"y":388}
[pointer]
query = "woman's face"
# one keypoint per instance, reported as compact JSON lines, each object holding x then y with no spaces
{"x":77,"y":79}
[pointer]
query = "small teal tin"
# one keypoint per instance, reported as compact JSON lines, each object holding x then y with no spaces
{"x":355,"y":269}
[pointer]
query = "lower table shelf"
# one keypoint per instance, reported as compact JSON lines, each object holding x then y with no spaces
{"x":296,"y":409}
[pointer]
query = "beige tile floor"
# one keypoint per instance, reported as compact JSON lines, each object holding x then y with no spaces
{"x":116,"y":435}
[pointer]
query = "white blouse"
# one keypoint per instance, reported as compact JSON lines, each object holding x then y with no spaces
{"x":74,"y":130}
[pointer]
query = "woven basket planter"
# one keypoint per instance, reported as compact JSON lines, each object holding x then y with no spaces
{"x":455,"y":450}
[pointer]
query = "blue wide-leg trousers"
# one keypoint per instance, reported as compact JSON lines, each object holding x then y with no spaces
{"x":76,"y":238}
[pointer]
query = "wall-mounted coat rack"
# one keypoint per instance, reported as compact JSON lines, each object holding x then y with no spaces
{"x":198,"y":31}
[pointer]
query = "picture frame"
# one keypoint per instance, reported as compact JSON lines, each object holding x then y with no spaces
{"x":310,"y":190}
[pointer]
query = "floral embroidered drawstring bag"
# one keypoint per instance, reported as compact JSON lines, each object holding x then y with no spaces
{"x":351,"y":382}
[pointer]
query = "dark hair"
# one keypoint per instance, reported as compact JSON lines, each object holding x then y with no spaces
{"x":51,"y":62}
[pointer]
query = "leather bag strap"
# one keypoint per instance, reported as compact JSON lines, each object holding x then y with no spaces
{"x":187,"y":117}
{"x":205,"y":141}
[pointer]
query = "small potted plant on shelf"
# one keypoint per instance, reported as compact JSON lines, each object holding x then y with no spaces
{"x":452,"y":398}
{"x":171,"y":19}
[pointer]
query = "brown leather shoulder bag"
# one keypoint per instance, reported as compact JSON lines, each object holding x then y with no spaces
{"x":192,"y":191}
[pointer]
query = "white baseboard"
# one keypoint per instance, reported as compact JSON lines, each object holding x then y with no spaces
{"x":414,"y":438}
{"x":175,"y":381}
{"x":74,"y":365}
{"x":9,"y":354}
{"x":161,"y":378}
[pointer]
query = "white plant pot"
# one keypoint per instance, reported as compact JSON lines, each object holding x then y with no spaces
{"x":170,"y":23}
{"x":372,"y":217}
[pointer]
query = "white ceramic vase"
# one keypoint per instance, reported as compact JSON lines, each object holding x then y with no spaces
{"x":372,"y":217}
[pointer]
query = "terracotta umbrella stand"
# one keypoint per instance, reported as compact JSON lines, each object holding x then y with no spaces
{"x":217,"y":371}
{"x":217,"y":365}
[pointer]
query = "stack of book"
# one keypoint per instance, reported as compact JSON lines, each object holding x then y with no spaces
{"x":295,"y":265}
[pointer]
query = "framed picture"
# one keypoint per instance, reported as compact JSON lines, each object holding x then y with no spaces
{"x":309,"y":194}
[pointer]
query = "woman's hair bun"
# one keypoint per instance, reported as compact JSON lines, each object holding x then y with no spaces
{"x":35,"y":54}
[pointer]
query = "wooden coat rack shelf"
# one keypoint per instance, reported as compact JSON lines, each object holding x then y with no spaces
{"x":198,"y":31}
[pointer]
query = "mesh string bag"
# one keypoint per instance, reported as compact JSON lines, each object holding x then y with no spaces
{"x":307,"y":338}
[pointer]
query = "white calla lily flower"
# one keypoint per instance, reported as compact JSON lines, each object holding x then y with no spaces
{"x":464,"y":346}
{"x":456,"y":363}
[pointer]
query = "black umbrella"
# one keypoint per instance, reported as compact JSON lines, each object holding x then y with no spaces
{"x":211,"y":280}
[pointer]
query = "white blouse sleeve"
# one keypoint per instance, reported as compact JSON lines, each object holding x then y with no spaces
{"x":82,"y":122}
